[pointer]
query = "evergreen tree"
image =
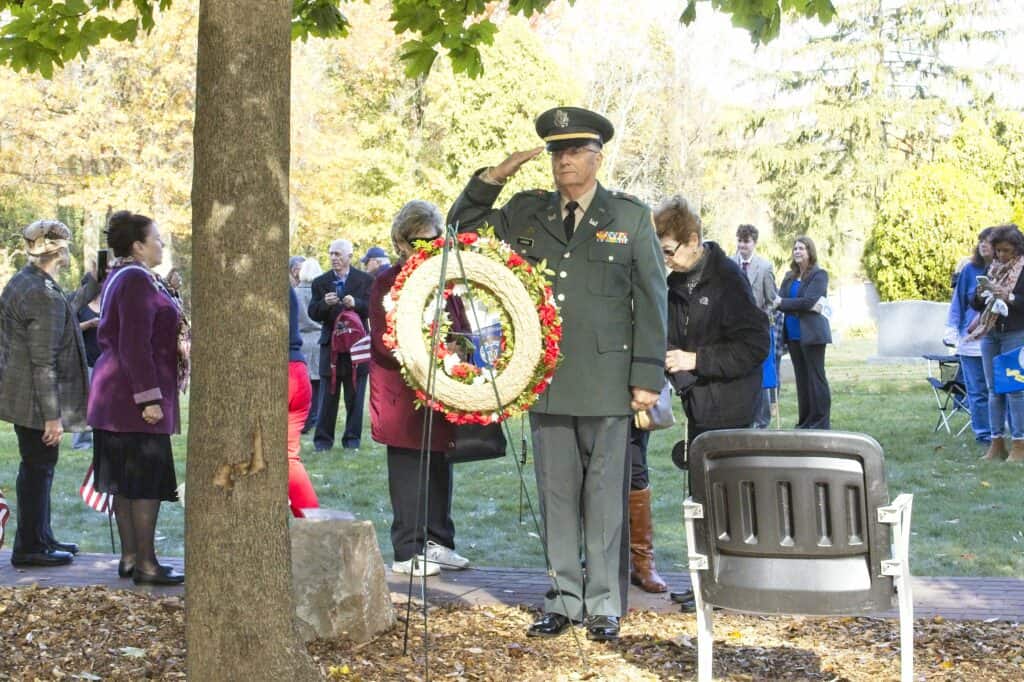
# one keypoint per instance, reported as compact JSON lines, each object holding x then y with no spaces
{"x":873,"y":92}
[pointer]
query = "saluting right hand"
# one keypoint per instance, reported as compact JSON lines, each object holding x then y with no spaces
{"x":510,"y":166}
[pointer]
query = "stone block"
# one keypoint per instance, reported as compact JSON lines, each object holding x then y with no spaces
{"x":911,"y":328}
{"x":338,"y":578}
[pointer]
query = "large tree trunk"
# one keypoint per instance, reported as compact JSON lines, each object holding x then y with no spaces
{"x":239,"y":603}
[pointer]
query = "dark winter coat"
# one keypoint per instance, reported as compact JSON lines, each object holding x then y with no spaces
{"x":722,"y":324}
{"x":43,"y":373}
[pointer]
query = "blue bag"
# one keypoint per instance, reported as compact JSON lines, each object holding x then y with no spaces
{"x":769,"y":372}
{"x":1008,"y":371}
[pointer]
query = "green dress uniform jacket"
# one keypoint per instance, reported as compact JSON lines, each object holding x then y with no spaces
{"x":608,"y":282}
{"x":43,"y":373}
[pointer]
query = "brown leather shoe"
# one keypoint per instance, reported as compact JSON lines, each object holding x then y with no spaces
{"x":641,"y":538}
{"x":1016,"y":452}
{"x":996,"y":450}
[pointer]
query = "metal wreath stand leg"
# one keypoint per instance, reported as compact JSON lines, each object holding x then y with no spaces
{"x":451,"y":244}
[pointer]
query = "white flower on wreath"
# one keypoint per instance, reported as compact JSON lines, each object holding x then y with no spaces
{"x":389,"y":303}
{"x":450,"y":361}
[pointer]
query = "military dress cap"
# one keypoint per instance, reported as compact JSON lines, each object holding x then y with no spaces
{"x":565,"y":127}
{"x":45,"y":236}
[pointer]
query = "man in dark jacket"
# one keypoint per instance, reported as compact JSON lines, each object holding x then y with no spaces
{"x":340,"y":288}
{"x":43,"y":385}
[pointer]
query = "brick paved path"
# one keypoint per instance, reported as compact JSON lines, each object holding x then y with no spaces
{"x":954,"y":598}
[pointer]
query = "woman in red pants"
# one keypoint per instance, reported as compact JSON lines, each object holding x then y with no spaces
{"x":300,"y":394}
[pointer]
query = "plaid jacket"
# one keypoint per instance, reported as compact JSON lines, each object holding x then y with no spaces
{"x":43,"y":373}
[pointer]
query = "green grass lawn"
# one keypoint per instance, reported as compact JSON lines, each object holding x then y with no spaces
{"x":968,"y":515}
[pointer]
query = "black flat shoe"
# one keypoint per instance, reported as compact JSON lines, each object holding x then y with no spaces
{"x":165,"y":575}
{"x":549,"y":625}
{"x":602,"y":628}
{"x":48,"y":557}
{"x":69,"y":547}
{"x":125,"y":570}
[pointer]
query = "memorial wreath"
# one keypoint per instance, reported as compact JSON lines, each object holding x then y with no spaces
{"x":527,"y":354}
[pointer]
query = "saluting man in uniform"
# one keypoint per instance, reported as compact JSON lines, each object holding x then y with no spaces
{"x":610,"y":286}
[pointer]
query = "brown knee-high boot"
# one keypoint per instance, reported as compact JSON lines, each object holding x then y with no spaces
{"x":641,"y":538}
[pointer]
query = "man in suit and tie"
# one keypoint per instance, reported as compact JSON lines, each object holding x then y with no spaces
{"x":340,"y":288}
{"x":762,"y":284}
{"x":608,"y":279}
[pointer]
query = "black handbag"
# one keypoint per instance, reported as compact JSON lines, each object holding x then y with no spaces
{"x":474,"y":442}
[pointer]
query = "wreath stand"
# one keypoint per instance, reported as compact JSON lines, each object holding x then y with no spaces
{"x":451,"y":246}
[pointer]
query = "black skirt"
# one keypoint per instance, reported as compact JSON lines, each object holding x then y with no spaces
{"x":138,"y":466}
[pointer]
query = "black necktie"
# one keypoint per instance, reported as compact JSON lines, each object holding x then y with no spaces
{"x":570,"y":218}
{"x":745,"y":264}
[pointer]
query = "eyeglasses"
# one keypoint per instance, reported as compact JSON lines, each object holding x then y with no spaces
{"x":669,"y":253}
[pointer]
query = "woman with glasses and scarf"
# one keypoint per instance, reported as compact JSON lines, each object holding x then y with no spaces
{"x":133,"y":406}
{"x":1001,"y":329}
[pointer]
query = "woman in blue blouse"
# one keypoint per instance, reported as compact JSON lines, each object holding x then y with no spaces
{"x":807,"y":332}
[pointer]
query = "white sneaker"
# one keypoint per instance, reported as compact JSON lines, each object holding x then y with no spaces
{"x":447,"y":558}
{"x":417,"y":566}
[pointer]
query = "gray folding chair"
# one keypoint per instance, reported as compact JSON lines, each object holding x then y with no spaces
{"x":795,"y":522}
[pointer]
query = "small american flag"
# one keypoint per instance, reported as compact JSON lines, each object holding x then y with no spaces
{"x":93,"y":498}
{"x":360,"y":351}
{"x":5,"y":513}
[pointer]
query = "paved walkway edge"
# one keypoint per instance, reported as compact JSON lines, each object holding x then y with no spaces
{"x":957,"y":598}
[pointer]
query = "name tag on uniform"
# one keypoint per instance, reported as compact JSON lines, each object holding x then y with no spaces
{"x":524,"y":241}
{"x":609,"y":237}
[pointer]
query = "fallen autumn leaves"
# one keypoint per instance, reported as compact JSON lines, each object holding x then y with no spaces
{"x":95,"y":633}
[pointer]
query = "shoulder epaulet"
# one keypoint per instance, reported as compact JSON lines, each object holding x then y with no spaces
{"x":627,"y":196}
{"x":533,"y":193}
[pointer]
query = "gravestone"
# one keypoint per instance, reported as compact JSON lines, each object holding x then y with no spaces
{"x":338,"y":578}
{"x":911,"y":328}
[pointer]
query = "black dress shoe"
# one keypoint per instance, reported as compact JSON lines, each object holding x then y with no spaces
{"x":602,"y":628}
{"x":685,"y":597}
{"x":165,"y":575}
{"x":47,"y":557}
{"x":69,"y":547}
{"x":549,"y":625}
{"x":125,"y":570}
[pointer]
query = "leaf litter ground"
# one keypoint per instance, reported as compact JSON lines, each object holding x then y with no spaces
{"x":95,"y":633}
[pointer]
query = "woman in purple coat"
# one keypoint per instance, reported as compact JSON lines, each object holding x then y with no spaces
{"x":398,"y":424}
{"x":133,"y":404}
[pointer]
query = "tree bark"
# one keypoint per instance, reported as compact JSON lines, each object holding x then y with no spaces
{"x":239,"y":604}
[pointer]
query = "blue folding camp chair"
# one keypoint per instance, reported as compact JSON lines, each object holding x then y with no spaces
{"x":947,"y":382}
